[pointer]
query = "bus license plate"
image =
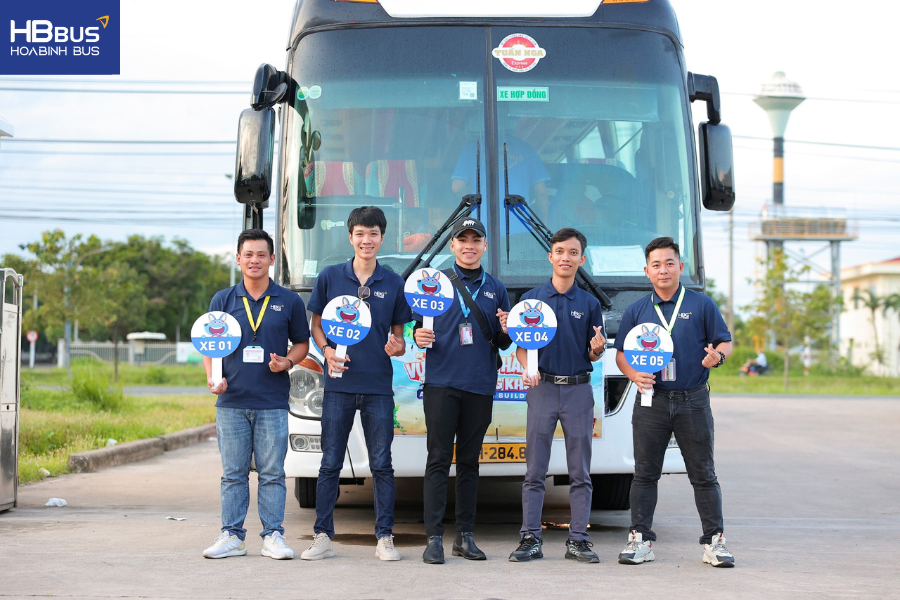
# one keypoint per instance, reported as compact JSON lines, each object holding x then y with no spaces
{"x":499,"y":453}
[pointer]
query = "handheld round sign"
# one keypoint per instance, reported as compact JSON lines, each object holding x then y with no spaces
{"x":346,"y":321}
{"x":648,"y":349}
{"x":531,"y":325}
{"x":216,"y":335}
{"x":429,"y":294}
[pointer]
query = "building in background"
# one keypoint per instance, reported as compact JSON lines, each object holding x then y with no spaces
{"x":858,"y":332}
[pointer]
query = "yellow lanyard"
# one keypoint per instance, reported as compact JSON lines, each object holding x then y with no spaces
{"x":255,"y":326}
{"x":668,"y":325}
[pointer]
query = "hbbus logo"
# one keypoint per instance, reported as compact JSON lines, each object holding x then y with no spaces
{"x":60,"y":37}
{"x":519,"y":52}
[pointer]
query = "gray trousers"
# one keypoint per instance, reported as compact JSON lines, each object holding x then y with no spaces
{"x":573,"y":407}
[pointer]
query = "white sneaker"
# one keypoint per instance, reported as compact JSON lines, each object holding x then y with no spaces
{"x":320,"y":548}
{"x":716,"y":554}
{"x":385,"y":549}
{"x":636,"y":550}
{"x":274,"y":547}
{"x":226,"y":545}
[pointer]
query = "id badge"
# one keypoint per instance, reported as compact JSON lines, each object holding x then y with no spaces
{"x":254,"y":354}
{"x":465,"y":334}
{"x":668,"y":373}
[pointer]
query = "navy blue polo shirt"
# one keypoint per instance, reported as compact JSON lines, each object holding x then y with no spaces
{"x":699,"y":324}
{"x":449,"y":364}
{"x":254,"y":385}
{"x":369,"y":370}
{"x":577,"y":313}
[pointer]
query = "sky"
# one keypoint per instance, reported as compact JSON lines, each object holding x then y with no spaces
{"x":839,"y":57}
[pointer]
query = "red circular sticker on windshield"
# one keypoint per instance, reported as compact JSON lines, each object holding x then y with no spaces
{"x":519,"y":52}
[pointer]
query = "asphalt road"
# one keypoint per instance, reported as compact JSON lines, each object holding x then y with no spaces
{"x":811,"y":490}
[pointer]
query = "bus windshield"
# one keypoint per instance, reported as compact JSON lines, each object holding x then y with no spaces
{"x":595,"y":136}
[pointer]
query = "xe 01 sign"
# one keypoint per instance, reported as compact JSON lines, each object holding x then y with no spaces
{"x":60,"y":37}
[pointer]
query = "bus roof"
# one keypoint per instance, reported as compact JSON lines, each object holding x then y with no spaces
{"x":313,"y":14}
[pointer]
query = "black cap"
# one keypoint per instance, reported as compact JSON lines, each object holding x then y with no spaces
{"x":468,"y":223}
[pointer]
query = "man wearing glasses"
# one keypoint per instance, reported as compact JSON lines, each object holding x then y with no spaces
{"x":366,"y":379}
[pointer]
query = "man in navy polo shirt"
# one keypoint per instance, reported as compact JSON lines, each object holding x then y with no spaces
{"x":252,"y":408}
{"x":679,"y":404}
{"x":365,"y":383}
{"x":460,"y":381}
{"x":561,"y":392}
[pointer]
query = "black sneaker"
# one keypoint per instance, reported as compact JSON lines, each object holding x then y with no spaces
{"x":529,"y":549}
{"x":581,"y":551}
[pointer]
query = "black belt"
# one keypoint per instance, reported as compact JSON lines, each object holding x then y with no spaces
{"x":566,"y":379}
{"x":701,"y":387}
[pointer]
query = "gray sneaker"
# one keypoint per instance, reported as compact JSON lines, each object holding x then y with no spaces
{"x":636,"y":551}
{"x":716,"y":554}
{"x":320,"y":548}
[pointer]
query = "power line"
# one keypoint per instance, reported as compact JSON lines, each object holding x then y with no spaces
{"x":59,"y":141}
{"x":74,"y":153}
{"x":123,"y":91}
{"x":122,"y":81}
{"x":834,"y":144}
{"x":50,"y":170}
{"x":823,"y":98}
{"x":837,"y":156}
{"x":108,"y":191}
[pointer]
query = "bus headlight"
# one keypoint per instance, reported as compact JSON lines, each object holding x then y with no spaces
{"x":307,"y":389}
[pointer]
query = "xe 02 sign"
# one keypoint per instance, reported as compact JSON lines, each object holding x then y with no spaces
{"x":59,"y":37}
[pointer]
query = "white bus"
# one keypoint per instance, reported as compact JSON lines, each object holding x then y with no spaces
{"x":592,"y":115}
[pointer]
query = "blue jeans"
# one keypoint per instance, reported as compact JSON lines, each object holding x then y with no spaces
{"x":242,"y":433}
{"x":377,"y":415}
{"x":686,"y":414}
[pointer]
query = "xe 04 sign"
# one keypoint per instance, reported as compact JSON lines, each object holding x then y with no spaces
{"x":60,"y":37}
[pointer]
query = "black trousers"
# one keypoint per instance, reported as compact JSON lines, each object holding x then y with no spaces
{"x":451,"y":413}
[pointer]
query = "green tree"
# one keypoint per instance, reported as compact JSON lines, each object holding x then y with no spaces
{"x":123,"y":304}
{"x":790,"y":313}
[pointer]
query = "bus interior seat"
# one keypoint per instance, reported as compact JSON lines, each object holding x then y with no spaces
{"x":332,"y":178}
{"x":393,"y":179}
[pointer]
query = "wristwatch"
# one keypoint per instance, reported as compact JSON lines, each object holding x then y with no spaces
{"x":598,"y":354}
{"x":290,"y":361}
{"x":721,"y":360}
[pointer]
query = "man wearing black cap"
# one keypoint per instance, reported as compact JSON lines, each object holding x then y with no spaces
{"x":460,"y":381}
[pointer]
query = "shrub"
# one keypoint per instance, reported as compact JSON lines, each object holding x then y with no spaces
{"x":157,"y":375}
{"x":91,"y":388}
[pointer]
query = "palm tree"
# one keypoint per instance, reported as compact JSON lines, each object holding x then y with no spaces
{"x":873,"y":302}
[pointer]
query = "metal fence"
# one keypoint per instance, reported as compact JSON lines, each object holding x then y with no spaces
{"x":134,"y":352}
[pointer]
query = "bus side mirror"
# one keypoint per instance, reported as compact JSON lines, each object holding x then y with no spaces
{"x":255,"y":149}
{"x":716,"y":167}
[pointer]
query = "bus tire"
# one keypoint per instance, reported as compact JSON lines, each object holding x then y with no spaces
{"x":305,"y":491}
{"x":611,"y":491}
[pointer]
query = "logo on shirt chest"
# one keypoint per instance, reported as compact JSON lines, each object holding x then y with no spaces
{"x":380,"y":294}
{"x":686,"y":315}
{"x":489,"y":295}
{"x":276,"y":307}
{"x":577,"y":314}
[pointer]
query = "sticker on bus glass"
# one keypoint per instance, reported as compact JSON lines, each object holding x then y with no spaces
{"x":519,"y":53}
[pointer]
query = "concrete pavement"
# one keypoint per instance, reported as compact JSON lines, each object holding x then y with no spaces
{"x":811,"y":490}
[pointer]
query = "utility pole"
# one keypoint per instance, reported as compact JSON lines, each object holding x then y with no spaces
{"x":31,"y":346}
{"x":731,"y":271}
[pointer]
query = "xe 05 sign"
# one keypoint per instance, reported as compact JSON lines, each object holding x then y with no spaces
{"x":59,"y":37}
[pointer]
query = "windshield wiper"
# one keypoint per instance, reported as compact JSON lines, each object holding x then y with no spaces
{"x":541,"y":233}
{"x":468,"y":202}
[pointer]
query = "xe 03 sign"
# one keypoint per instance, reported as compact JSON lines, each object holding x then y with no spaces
{"x":60,"y":37}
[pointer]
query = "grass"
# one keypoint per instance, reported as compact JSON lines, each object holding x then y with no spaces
{"x":814,"y":384}
{"x":55,"y":423}
{"x":174,"y":375}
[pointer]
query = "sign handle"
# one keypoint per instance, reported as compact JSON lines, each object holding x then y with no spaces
{"x":647,"y":397}
{"x":532,"y":359}
{"x":428,"y":323}
{"x":216,"y":371}
{"x":340,"y":352}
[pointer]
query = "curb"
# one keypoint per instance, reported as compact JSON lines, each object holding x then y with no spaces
{"x":103,"y":458}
